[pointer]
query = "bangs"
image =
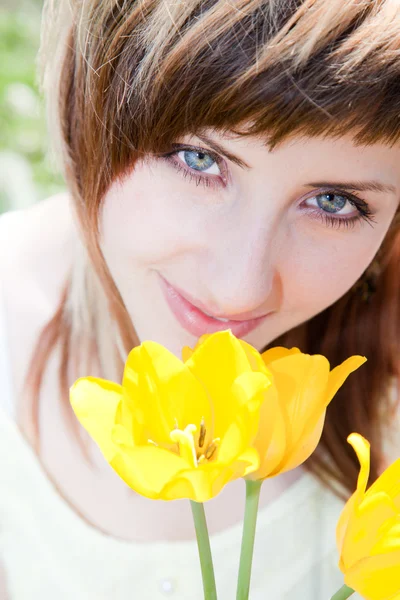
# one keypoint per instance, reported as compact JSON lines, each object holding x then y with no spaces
{"x":138,"y":75}
{"x":274,"y":70}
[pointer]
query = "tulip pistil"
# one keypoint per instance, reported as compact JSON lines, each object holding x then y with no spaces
{"x":185,"y":440}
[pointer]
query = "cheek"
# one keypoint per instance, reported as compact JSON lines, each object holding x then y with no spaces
{"x":315,"y":279}
{"x":141,"y":222}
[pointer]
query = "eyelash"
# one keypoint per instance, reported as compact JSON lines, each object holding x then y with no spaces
{"x":364,"y":212}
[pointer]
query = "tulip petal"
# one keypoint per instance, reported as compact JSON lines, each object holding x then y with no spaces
{"x":271,"y":440}
{"x":187,"y":351}
{"x":235,"y":441}
{"x":364,"y":529}
{"x":389,"y":482}
{"x":251,"y":458}
{"x":199,"y":484}
{"x":208,"y":480}
{"x":217,"y":363}
{"x":162,"y":393}
{"x":339,"y":374}
{"x":122,"y":436}
{"x":147,"y":469}
{"x":388,"y":536}
{"x":248,"y":389}
{"x":361,"y":447}
{"x":307,"y":441}
{"x":277,"y":353}
{"x":346,"y":515}
{"x":95,"y":403}
{"x":376,"y":577}
{"x":179,"y":488}
{"x":348,"y":518}
{"x":232,"y":443}
{"x":255,"y":359}
{"x":300,"y":452}
{"x":301,"y":380}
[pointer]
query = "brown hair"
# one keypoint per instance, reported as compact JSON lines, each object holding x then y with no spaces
{"x":133,"y":76}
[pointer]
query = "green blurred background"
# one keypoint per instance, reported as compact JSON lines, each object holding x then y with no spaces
{"x":26,"y":175}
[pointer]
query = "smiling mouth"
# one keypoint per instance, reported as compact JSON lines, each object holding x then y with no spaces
{"x":197,"y":322}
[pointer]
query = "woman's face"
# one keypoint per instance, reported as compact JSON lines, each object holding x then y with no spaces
{"x":244,"y":235}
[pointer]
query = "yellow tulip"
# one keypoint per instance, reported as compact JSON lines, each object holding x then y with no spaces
{"x":174,"y":429}
{"x":293,"y":409}
{"x":368,"y":531}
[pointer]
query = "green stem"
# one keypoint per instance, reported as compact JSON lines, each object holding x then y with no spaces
{"x":253,"y":489}
{"x":343,"y":593}
{"x":203,"y":544}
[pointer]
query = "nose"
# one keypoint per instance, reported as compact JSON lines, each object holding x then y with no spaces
{"x":242,"y":298}
{"x":240,"y":271}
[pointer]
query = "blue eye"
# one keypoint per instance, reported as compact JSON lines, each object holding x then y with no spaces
{"x":335,"y":203}
{"x":200,"y":161}
{"x":338,"y":209}
{"x":197,"y":160}
{"x":332,"y":203}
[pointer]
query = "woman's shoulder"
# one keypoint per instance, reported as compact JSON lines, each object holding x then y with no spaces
{"x":35,"y":253}
{"x":34,"y":238}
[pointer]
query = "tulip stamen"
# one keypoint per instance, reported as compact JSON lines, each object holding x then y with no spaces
{"x":187,"y":448}
{"x":209,"y":453}
{"x":149,"y":441}
{"x":202,"y":434}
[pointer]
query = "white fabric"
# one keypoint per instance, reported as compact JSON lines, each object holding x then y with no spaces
{"x":50,"y":552}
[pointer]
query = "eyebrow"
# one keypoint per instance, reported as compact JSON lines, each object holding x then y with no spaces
{"x":221,"y":150}
{"x":360,"y":186}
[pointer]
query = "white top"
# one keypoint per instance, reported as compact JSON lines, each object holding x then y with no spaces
{"x":49,"y":552}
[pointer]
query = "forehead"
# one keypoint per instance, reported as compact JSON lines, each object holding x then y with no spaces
{"x":378,"y":162}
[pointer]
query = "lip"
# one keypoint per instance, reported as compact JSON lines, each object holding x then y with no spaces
{"x":196,"y":322}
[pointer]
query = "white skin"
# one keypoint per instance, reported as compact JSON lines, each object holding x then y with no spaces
{"x":255,"y":244}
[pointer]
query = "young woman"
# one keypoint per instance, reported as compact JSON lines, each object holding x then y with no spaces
{"x":229,"y":165}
